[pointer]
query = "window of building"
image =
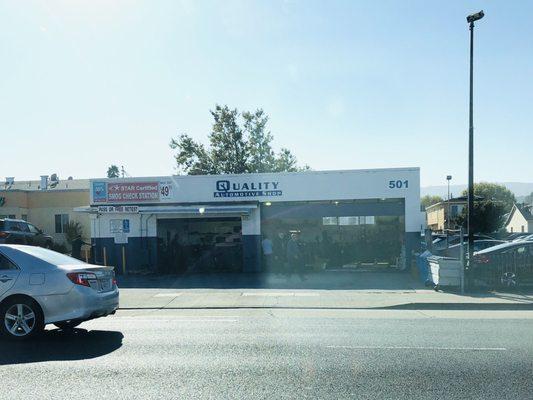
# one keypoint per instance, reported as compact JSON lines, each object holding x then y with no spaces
{"x":455,"y":210}
{"x":329,"y":220}
{"x":61,"y":222}
{"x":522,"y":228}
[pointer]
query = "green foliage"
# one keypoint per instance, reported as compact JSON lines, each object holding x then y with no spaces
{"x":59,"y":247}
{"x":488,"y":217}
{"x":72,"y":230}
{"x":113,"y":172}
{"x":429,"y":200}
{"x":238,"y":143}
{"x":494,"y":192}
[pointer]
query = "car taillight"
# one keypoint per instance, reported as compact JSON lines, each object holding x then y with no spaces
{"x":482,"y":259}
{"x":81,"y":278}
{"x":4,"y":234}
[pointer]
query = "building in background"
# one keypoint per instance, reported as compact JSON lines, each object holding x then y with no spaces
{"x":520,"y":219}
{"x":437,"y":215}
{"x":47,"y":203}
{"x":176,"y":224}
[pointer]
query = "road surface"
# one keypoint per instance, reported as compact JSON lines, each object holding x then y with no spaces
{"x":279,"y":354}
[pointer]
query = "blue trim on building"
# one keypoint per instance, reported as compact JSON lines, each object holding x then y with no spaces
{"x":141,"y":253}
{"x":412,"y":244}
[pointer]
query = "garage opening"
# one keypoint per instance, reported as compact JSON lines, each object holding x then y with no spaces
{"x":199,"y":245}
{"x":364,"y":235}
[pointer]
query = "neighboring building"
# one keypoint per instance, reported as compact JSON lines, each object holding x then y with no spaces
{"x":437,"y":214}
{"x":520,"y":219}
{"x":49,"y":205}
{"x":216,"y":222}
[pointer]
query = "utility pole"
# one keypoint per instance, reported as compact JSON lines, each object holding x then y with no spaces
{"x":470,"y":225}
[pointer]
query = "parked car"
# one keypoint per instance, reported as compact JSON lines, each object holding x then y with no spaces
{"x":440,"y":243}
{"x":455,"y":250}
{"x":507,"y":264}
{"x":18,"y":231}
{"x":40,"y":286}
{"x":523,"y":238}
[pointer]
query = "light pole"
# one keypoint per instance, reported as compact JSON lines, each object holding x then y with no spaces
{"x":471,"y":19}
{"x":448,"y":178}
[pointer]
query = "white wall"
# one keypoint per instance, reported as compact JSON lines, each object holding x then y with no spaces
{"x":516,"y":223}
{"x":304,"y":186}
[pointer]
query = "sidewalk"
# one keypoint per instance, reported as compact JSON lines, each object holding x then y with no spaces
{"x":345,"y":291}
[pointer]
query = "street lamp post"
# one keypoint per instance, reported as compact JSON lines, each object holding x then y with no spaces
{"x":448,"y":179}
{"x":471,"y":19}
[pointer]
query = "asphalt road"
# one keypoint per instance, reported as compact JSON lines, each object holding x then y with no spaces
{"x":278,"y":354}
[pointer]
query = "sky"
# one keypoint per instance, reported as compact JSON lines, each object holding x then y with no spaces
{"x":347,"y":84}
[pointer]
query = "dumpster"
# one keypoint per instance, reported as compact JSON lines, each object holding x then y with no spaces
{"x":445,"y":271}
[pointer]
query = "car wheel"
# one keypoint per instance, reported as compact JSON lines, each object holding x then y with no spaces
{"x":21,"y":318}
{"x":509,"y":279}
{"x":48,"y":245}
{"x":68,"y":325}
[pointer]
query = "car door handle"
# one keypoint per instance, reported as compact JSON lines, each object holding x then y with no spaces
{"x":5,"y":279}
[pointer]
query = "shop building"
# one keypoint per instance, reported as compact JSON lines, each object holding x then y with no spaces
{"x":175,"y":224}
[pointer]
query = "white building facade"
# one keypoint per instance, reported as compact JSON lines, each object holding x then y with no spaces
{"x":217,"y":222}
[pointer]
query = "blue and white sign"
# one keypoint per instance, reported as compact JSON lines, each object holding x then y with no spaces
{"x":99,"y":192}
{"x":226,"y":188}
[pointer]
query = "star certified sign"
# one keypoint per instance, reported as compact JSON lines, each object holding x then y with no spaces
{"x":226,"y":188}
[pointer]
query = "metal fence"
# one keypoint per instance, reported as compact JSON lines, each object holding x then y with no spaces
{"x":509,"y":270}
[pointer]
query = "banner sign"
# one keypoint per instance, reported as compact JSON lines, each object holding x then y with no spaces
{"x":131,"y":192}
{"x":118,"y":209}
{"x":226,"y":188}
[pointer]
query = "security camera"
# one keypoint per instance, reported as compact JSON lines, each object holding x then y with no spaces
{"x":474,"y":17}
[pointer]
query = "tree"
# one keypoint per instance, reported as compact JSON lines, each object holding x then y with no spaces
{"x":238,"y":143}
{"x":73,"y":230}
{"x":488,"y":217}
{"x":495,"y":192}
{"x":429,"y":200}
{"x":113,"y":172}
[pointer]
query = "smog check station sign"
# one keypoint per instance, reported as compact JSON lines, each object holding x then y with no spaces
{"x":130,"y":192}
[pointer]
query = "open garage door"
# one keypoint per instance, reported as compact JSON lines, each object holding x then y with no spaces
{"x":199,"y":245}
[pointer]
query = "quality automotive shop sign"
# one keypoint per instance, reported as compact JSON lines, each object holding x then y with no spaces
{"x":227,"y":188}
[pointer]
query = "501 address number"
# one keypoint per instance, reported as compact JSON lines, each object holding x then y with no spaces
{"x":398,"y":184}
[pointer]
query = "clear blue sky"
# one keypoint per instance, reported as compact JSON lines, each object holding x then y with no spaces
{"x":347,"y":84}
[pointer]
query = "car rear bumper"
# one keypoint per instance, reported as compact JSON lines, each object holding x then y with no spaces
{"x":81,"y":303}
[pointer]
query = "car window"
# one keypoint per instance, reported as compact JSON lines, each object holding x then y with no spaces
{"x":23,"y":227}
{"x":6,"y":264}
{"x":12,"y":226}
{"x":33,"y":229}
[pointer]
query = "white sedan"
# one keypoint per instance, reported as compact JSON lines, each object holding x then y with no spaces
{"x":40,"y":286}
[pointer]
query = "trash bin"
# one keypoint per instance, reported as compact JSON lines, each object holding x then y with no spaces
{"x":444,"y":271}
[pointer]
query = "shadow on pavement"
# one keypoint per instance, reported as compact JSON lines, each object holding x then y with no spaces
{"x":327,"y":280}
{"x":58,"y":345}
